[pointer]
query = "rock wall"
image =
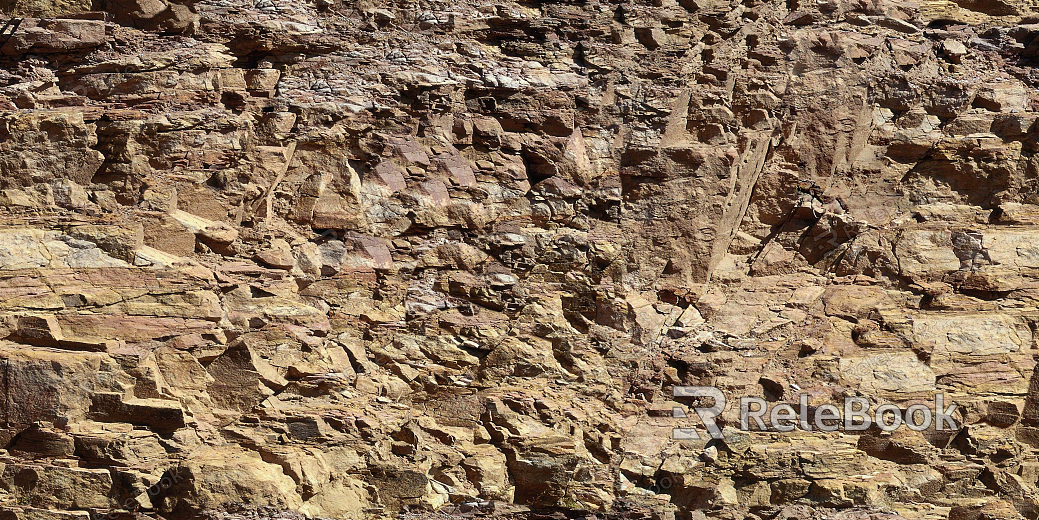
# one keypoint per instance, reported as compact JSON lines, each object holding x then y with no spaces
{"x":413,"y":258}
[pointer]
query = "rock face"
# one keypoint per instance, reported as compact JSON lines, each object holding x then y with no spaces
{"x":337,"y":259}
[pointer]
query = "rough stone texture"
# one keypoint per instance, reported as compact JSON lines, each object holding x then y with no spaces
{"x":422,"y":259}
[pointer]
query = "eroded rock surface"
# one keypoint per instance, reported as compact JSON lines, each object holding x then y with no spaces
{"x":336,"y":259}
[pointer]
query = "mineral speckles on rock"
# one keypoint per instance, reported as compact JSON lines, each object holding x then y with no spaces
{"x":413,"y":259}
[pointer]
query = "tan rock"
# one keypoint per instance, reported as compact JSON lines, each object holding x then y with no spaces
{"x":58,"y":487}
{"x":240,"y":379}
{"x":55,"y":35}
{"x":211,"y":477}
{"x":40,"y":376}
{"x":161,"y":415}
{"x":278,"y":255}
{"x":169,"y":235}
{"x":43,"y":440}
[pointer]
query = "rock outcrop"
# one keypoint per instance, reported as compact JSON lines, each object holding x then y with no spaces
{"x":340,"y":259}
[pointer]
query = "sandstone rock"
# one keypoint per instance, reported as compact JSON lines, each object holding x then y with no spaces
{"x":389,"y":175}
{"x":487,"y":131}
{"x":278,"y":255}
{"x":342,"y":497}
{"x":161,"y":415}
{"x":55,"y":35}
{"x":119,"y":242}
{"x":218,"y":232}
{"x":39,"y":376}
{"x":262,"y":79}
{"x":39,"y":330}
{"x":76,"y":160}
{"x":210,"y":477}
{"x":182,"y":371}
{"x":307,"y":260}
{"x":42,"y":440}
{"x":68,"y":194}
{"x":240,"y":379}
{"x":954,"y":49}
{"x":15,"y":198}
{"x":125,"y":448}
{"x":169,"y":236}
{"x":58,"y":487}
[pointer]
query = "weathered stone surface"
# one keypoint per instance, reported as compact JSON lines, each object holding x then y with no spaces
{"x":55,"y":36}
{"x":43,"y":440}
{"x":57,"y":487}
{"x":31,"y":146}
{"x":343,"y":260}
{"x":161,"y":415}
{"x":213,"y":478}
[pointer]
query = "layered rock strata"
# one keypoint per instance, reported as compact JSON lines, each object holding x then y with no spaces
{"x":415,"y":258}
